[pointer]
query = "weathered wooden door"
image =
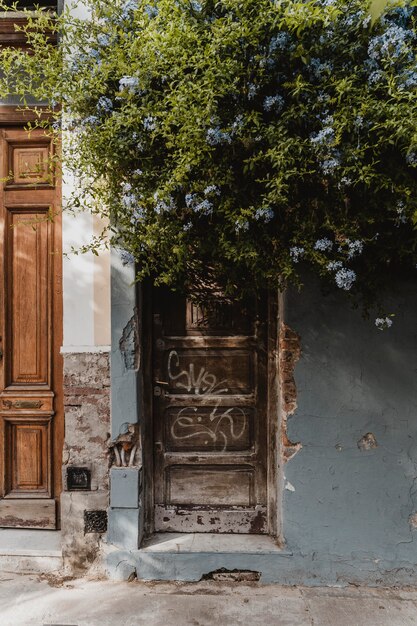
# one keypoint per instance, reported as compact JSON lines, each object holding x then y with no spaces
{"x":31,"y":421}
{"x":210,"y":417}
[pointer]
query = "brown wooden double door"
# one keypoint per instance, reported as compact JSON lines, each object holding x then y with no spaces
{"x":31,"y":420}
{"x":210,"y":417}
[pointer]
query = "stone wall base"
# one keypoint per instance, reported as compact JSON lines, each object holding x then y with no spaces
{"x":80,"y":550}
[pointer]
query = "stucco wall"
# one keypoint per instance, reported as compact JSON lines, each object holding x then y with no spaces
{"x":86,"y":277}
{"x":87,"y":426}
{"x":350,"y":514}
{"x":350,"y":491}
{"x":86,"y":284}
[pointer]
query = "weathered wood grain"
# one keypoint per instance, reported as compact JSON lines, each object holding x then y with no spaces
{"x":28,"y":513}
{"x":210,"y":417}
{"x":31,"y":406}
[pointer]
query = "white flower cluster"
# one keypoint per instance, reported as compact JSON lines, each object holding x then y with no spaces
{"x":354,"y":248}
{"x":323,"y":245}
{"x":345,"y":278}
{"x":383,"y":322}
{"x":129,"y":83}
{"x":296,"y":253}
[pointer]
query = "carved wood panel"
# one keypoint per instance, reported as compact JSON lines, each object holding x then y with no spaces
{"x":216,"y":318}
{"x":29,"y":164}
{"x":31,"y":411}
{"x":27,"y":451}
{"x":210,"y":416}
{"x":28,"y":296}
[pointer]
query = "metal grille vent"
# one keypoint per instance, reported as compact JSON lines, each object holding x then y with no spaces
{"x":95,"y":521}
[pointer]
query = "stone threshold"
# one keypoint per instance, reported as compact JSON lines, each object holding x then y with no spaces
{"x":211,"y":543}
{"x":30,"y":551}
{"x":192,"y":556}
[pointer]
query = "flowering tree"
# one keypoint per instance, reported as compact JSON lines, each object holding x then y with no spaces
{"x":234,"y":142}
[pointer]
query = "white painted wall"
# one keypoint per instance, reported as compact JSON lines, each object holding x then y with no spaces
{"x":86,"y":285}
{"x":86,"y":278}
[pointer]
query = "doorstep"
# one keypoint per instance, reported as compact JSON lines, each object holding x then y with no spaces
{"x":30,"y":551}
{"x":193,"y":556}
{"x":210,"y":542}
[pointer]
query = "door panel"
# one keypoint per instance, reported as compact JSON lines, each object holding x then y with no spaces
{"x":197,"y":428}
{"x":27,"y":451}
{"x":31,"y":411}
{"x":210,"y":486}
{"x":210,"y":416}
{"x":27,"y":293}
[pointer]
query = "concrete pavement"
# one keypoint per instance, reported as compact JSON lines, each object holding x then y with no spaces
{"x":48,"y":600}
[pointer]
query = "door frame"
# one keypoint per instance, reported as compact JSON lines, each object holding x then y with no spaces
{"x":13,"y":118}
{"x":146,"y":410}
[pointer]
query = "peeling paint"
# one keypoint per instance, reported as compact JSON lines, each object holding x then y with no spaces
{"x":12,"y":521}
{"x":258,"y":523}
{"x":129,"y":343}
{"x":367,"y":442}
{"x":87,"y":421}
{"x":290,"y":352}
{"x":199,"y":519}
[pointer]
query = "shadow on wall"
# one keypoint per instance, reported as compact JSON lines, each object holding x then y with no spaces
{"x":352,"y":495}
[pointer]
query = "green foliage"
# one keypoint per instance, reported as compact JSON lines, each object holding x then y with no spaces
{"x":232,"y":143}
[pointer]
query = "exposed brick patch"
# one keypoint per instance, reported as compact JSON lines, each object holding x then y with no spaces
{"x":367,"y":442}
{"x":290,"y":352}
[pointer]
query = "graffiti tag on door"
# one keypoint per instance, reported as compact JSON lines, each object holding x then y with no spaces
{"x":223,"y":426}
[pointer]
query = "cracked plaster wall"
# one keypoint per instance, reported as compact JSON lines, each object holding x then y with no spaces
{"x":87,"y":425}
{"x":349,"y":428}
{"x":350,"y":510}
